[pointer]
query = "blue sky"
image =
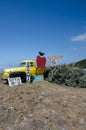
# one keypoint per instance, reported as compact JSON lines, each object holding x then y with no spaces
{"x":56,"y":27}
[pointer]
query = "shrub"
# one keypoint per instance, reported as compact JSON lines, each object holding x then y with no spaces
{"x":70,"y":76}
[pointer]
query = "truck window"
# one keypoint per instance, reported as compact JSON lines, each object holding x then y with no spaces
{"x":31,"y":64}
{"x":22,"y":64}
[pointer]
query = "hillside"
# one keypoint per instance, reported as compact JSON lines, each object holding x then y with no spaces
{"x":42,"y":106}
{"x":81,"y":64}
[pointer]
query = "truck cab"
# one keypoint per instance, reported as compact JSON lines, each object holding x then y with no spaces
{"x":32,"y":64}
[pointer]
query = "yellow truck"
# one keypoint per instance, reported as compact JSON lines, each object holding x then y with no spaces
{"x":21,"y":70}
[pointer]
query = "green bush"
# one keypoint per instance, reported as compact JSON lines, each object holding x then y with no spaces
{"x":70,"y":76}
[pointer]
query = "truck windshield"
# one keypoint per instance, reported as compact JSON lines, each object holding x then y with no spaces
{"x":22,"y":64}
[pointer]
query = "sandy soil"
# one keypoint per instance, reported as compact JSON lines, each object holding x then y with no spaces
{"x":42,"y":106}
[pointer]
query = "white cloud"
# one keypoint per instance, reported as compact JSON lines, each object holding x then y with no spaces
{"x":81,"y":37}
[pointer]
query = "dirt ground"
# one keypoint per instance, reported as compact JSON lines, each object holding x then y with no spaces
{"x":42,"y":106}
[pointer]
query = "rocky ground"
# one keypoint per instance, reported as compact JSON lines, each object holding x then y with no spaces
{"x":42,"y":106}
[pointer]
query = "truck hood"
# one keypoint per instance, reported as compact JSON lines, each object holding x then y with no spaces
{"x":17,"y":69}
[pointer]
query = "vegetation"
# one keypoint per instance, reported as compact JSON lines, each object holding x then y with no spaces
{"x":80,"y":64}
{"x":66,"y":75}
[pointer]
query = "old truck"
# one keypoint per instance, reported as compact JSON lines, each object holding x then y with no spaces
{"x":21,"y":70}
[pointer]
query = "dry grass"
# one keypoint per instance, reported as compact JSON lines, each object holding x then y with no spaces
{"x":42,"y":106}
